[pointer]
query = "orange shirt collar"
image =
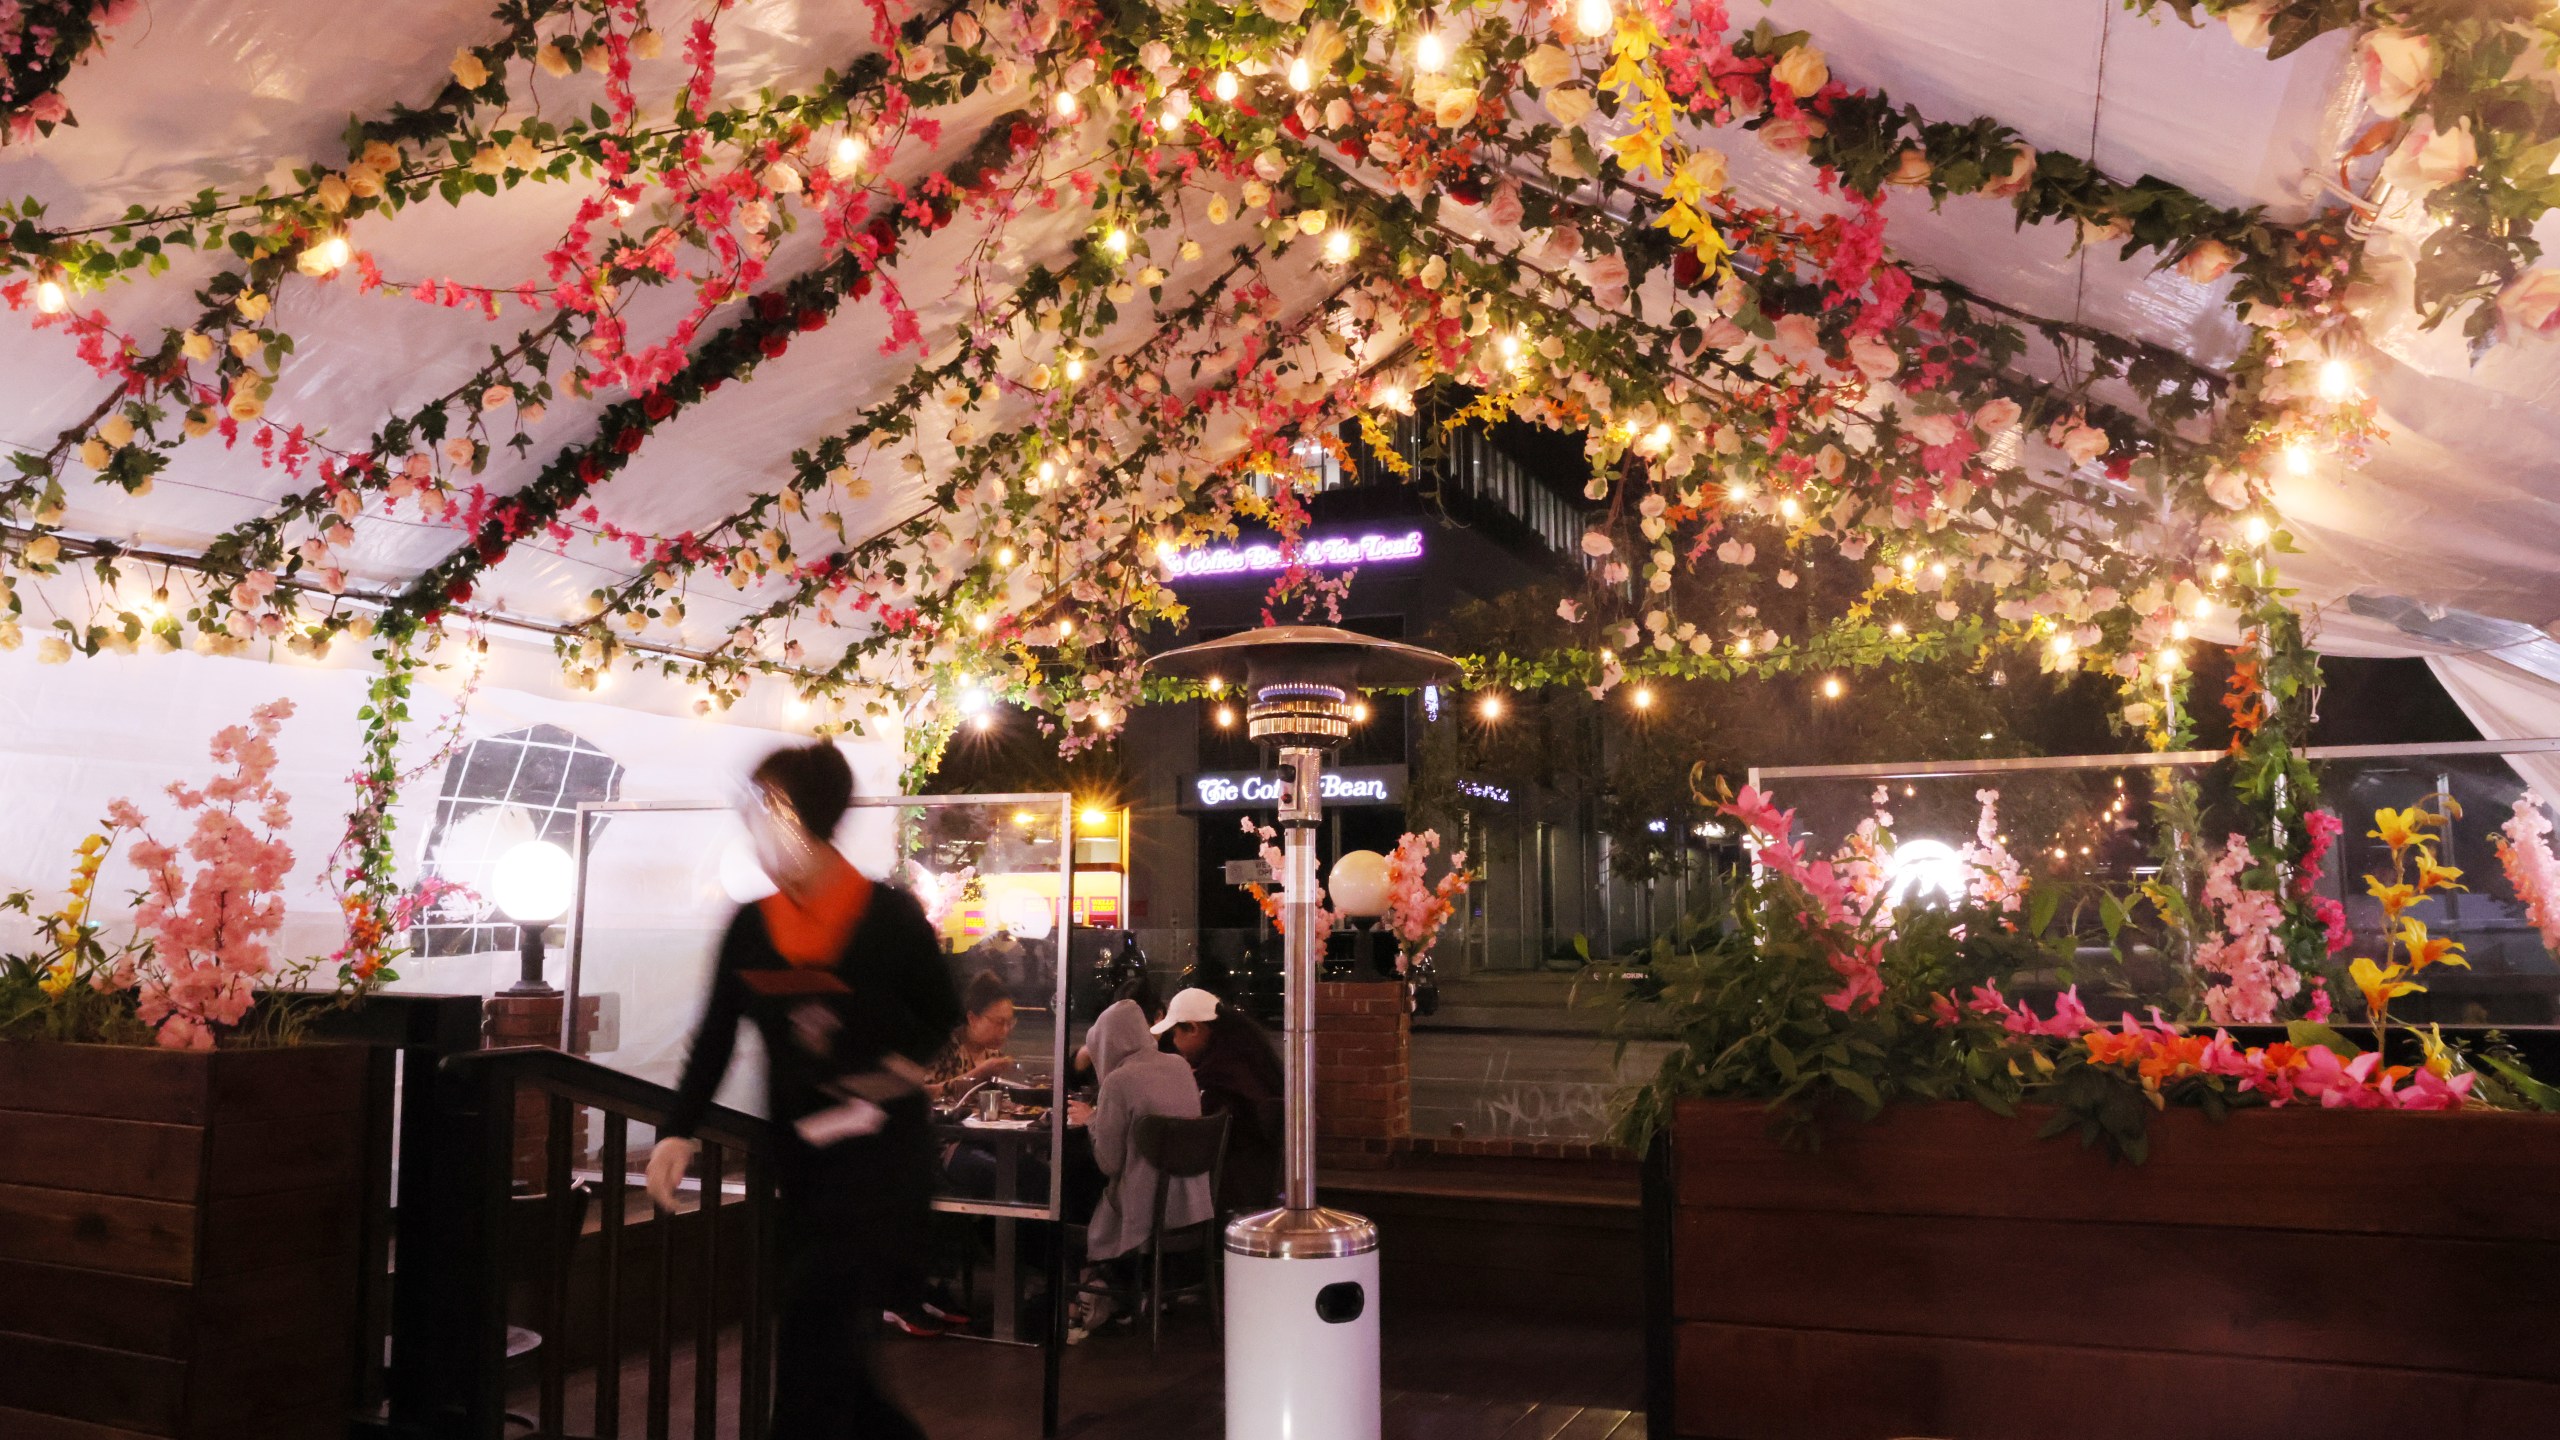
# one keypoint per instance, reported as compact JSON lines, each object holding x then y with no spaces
{"x":812,"y":933}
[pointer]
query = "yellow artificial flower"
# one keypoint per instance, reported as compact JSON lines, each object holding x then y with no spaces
{"x":2432,"y":876}
{"x":2394,"y":898}
{"x":2381,"y":984}
{"x":2400,"y":829}
{"x":2425,"y":950}
{"x":58,"y":978}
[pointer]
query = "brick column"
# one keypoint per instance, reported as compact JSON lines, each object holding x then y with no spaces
{"x":525,"y":1020}
{"x":1364,"y":1090}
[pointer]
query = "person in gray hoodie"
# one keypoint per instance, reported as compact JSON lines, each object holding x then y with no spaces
{"x":1137,"y":1080}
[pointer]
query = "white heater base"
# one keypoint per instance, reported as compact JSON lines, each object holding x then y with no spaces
{"x":1292,"y":1374}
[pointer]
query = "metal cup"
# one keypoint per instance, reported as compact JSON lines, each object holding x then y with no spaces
{"x":990,"y":1102}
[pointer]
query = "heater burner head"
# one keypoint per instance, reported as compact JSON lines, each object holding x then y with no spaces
{"x":1300,"y":681}
{"x":1300,"y":713}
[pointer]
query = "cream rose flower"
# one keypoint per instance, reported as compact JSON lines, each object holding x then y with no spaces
{"x":2207,"y":261}
{"x":1563,"y":160}
{"x":1219,"y":212}
{"x":2021,"y":174}
{"x":2426,"y":160}
{"x":2398,"y":66}
{"x":95,"y":454}
{"x":1455,"y":107}
{"x":2530,"y":305}
{"x":54,"y":651}
{"x":1548,"y":65}
{"x":2229,"y":488}
{"x":1791,"y":136}
{"x":2251,"y":23}
{"x":1802,"y":70}
{"x":1911,"y":167}
{"x":332,"y":193}
{"x":646,"y":44}
{"x":42,"y":550}
{"x":1996,"y":415}
{"x":253,"y":306}
{"x":1284,"y":11}
{"x":1568,"y":103}
{"x":1873,"y":357}
{"x":468,"y":71}
{"x":116,"y":430}
{"x":553,"y":60}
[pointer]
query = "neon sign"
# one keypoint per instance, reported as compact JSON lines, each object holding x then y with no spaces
{"x":1260,"y":789}
{"x":1319,"y":551}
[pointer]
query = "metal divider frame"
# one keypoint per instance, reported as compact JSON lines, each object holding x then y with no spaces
{"x":1062,"y":928}
{"x":2131,"y":760}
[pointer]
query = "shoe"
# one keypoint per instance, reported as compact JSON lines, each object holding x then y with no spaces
{"x":921,"y":1326}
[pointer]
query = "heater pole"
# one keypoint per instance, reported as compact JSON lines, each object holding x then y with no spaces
{"x":1301,"y":806}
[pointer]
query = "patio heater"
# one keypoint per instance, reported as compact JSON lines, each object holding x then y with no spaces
{"x":1302,"y":1280}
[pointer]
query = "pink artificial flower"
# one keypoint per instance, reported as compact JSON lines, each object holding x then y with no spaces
{"x":1755,"y":809}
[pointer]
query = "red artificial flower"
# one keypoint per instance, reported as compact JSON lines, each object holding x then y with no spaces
{"x":812,"y":318}
{"x":657,"y":405}
{"x":458,"y":593}
{"x":773,"y":345}
{"x":628,"y":438}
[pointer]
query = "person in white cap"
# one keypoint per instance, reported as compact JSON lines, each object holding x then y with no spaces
{"x":1239,"y":1074}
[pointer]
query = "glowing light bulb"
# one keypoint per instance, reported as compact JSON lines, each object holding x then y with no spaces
{"x":1226,"y":87}
{"x":1075,"y":368}
{"x":333,"y":253}
{"x":1742,"y":646}
{"x":2256,"y":530}
{"x":850,"y":150}
{"x":1170,"y":119}
{"x":1004,"y":556}
{"x":2169,"y":659}
{"x":2061,"y":645}
{"x":2177,"y":629}
{"x":622,"y":208}
{"x":1897,"y":630}
{"x":1938,"y":570}
{"x":1392,"y":397}
{"x":1910,"y":564}
{"x":1226,"y":716}
{"x":1831,"y":687}
{"x":51,"y":298}
{"x":1642,"y":699}
{"x":2297,"y":458}
{"x":1737,"y":492}
{"x":1430,"y":52}
{"x":1789,"y":508}
{"x":1066,"y":628}
{"x":1490,"y":707}
{"x":1302,"y":76}
{"x":2203,"y":610}
{"x":983,"y":720}
{"x":1339,"y":247}
{"x":1066,"y":104}
{"x":1594,"y":18}
{"x":982,"y":623}
{"x":1660,"y":437}
{"x":2221,"y":572}
{"x":1048,"y":471}
{"x":1116,"y":240}
{"x":1359,"y":712}
{"x":1166,"y":550}
{"x":1102,"y":719}
{"x":2337,"y":381}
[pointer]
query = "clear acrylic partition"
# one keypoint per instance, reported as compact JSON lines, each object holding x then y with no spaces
{"x":2085,"y":822}
{"x":658,"y":883}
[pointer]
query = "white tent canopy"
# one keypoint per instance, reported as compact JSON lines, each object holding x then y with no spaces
{"x":2453,"y":517}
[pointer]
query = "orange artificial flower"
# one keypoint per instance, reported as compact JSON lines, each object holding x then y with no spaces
{"x":2394,"y":898}
{"x":2432,"y":876}
{"x":2401,"y":829}
{"x":2381,"y":984}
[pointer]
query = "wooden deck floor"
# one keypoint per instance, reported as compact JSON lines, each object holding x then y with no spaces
{"x":1450,"y":1375}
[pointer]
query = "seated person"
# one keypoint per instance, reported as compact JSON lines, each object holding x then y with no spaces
{"x":974,"y":1058}
{"x":1239,"y":1075}
{"x":976,"y":1052}
{"x":1138,"y":1080}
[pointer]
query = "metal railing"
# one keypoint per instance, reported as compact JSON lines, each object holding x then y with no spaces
{"x":487,"y":1249}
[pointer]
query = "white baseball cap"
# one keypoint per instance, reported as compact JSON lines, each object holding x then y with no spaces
{"x":1194,"y":1006}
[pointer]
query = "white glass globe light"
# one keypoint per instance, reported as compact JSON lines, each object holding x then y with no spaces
{"x":1359,"y":884}
{"x":533,"y":882}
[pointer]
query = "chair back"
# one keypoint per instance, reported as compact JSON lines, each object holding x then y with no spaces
{"x":1181,"y":1148}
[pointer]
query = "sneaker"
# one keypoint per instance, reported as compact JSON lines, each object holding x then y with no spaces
{"x":921,"y":1326}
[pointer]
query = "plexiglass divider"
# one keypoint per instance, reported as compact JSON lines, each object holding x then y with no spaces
{"x":2090,"y":825}
{"x":657,"y":883}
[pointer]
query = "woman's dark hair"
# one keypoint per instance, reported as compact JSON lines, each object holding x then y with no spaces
{"x":1142,"y":988}
{"x":816,"y":779}
{"x":982,"y":992}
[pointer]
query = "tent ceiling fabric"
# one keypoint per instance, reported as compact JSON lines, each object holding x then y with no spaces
{"x":2458,"y":509}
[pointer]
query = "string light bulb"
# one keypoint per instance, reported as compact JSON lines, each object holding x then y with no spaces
{"x":1789,"y":509}
{"x":1116,"y":240}
{"x":1074,"y":368}
{"x":1066,"y":104}
{"x":1339,"y":247}
{"x":1659,"y":438}
{"x":1004,"y":556}
{"x":333,"y":253}
{"x":1430,"y":53}
{"x":1359,"y":712}
{"x":1302,"y":76}
{"x":1490,"y":707}
{"x":2337,"y":381}
{"x":1226,"y":717}
{"x":1226,"y":86}
{"x":1897,"y":630}
{"x":849,"y":151}
{"x":1594,"y":18}
{"x":1831,"y":687}
{"x":982,"y":622}
{"x":51,"y":298}
{"x":2297,"y":458}
{"x":1642,"y":698}
{"x":2256,"y":530}
{"x":2061,"y":646}
{"x":983,"y":721}
{"x":1171,"y":119}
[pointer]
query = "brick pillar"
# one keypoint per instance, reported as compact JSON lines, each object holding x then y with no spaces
{"x":1364,"y":1089}
{"x":525,"y":1020}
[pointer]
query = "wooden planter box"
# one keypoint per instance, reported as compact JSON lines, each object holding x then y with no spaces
{"x":1944,"y":1273}
{"x":178,"y":1241}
